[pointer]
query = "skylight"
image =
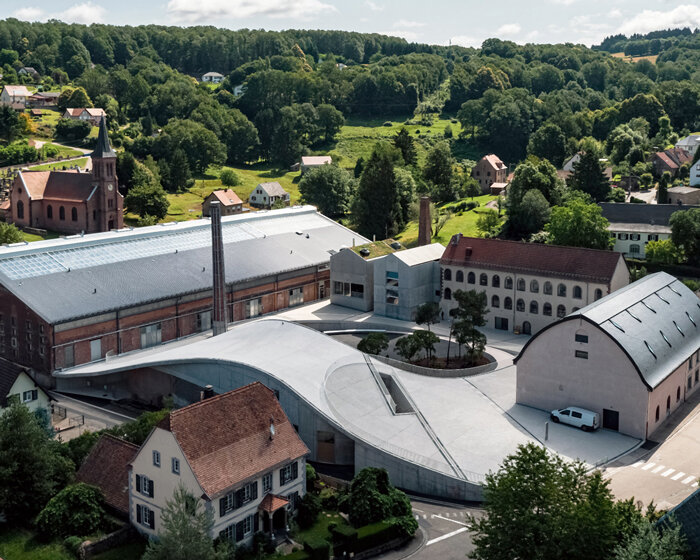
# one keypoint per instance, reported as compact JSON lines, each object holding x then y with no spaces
{"x":675,"y":291}
{"x":691,"y":319}
{"x":650,"y":349}
{"x":645,"y":304}
{"x":679,"y":329}
{"x":616,"y":325}
{"x":666,"y":339}
{"x":634,"y":316}
{"x":662,"y":299}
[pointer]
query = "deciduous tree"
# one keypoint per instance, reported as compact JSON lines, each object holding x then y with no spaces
{"x":578,"y":224}
{"x":328,"y":187}
{"x":373,"y":343}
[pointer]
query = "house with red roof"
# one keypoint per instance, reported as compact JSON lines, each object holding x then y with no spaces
{"x":92,"y":114}
{"x":670,"y":160}
{"x":229,"y":200}
{"x":528,"y":285}
{"x":236,"y":452}
{"x":488,"y":171}
{"x":70,"y":201}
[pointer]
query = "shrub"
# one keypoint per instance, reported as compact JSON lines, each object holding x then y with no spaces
{"x":405,"y":526}
{"x":635,"y":200}
{"x":309,"y":508}
{"x":317,"y":548}
{"x":75,"y":509}
{"x":72,"y":545}
{"x":388,"y":123}
{"x":329,"y":499}
{"x":374,"y":535}
{"x":229,"y":178}
{"x":471,"y":205}
{"x":311,"y":477}
{"x":372,"y":498}
{"x":344,"y":538}
{"x":263,"y":541}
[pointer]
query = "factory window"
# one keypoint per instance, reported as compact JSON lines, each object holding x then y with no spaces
{"x":296,"y":297}
{"x":150,"y":335}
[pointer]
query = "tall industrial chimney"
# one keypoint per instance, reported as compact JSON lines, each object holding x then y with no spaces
{"x":217,"y":257}
{"x":424,"y":227}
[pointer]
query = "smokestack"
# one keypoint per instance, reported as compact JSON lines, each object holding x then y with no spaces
{"x":217,"y":257}
{"x":424,"y":228}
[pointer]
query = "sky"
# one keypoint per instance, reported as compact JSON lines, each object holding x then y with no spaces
{"x":462,"y":22}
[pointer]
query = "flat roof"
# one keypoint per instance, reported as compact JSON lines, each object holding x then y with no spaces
{"x":420,"y":255}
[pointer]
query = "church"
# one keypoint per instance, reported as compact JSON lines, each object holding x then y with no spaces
{"x":71,"y":201}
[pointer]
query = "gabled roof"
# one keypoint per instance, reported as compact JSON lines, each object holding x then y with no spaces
{"x":687,"y":515}
{"x":273,"y":188}
{"x":227,"y":439}
{"x":494,"y":161}
{"x":18,"y":91}
{"x":316,"y":160}
{"x":68,"y":186}
{"x":213,"y":75}
{"x":664,"y":157}
{"x":651,"y":214}
{"x":227,"y":197}
{"x":107,"y":467}
{"x":656,"y":320}
{"x":679,"y":155}
{"x":9,"y":372}
{"x":587,"y":265}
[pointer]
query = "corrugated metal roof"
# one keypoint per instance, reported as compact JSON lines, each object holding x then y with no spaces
{"x":103,"y":272}
{"x":654,"y":214}
{"x":656,"y":320}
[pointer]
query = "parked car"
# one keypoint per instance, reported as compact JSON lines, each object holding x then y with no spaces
{"x":578,"y":417}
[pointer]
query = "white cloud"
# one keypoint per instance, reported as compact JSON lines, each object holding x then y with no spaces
{"x":508,"y":29}
{"x":82,"y":13}
{"x":466,"y":41}
{"x":410,"y":36}
{"x":203,"y":10}
{"x":28,"y":14}
{"x":374,"y":6}
{"x":563,"y":2}
{"x":408,"y":23}
{"x":616,"y":13}
{"x":685,"y":15}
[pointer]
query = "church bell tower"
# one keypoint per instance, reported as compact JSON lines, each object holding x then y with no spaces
{"x":108,"y":207}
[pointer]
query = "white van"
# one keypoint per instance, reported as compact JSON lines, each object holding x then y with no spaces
{"x":578,"y":417}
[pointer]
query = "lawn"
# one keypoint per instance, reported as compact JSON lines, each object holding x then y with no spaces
{"x":59,"y":165}
{"x":464,"y":224}
{"x":320,"y":528}
{"x":188,"y":205}
{"x":64,"y":151}
{"x":20,"y":544}
{"x":33,"y":237}
{"x":129,"y":551}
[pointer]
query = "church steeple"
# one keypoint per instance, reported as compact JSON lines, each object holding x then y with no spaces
{"x":103,"y":149}
{"x":107,"y":206}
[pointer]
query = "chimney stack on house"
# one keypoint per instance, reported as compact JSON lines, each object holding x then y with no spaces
{"x":424,"y":227}
{"x":217,"y":247}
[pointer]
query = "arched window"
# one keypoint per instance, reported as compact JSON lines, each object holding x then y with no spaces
{"x":61,"y":213}
{"x":534,"y":286}
{"x":509,"y":283}
{"x":668,"y":404}
{"x":521,"y":285}
{"x":471,"y":278}
{"x":520,"y":305}
{"x":496,"y":281}
{"x":483,"y":279}
{"x":74,"y":214}
{"x":547,"y":288}
{"x":678,"y":394}
{"x":561,"y":311}
{"x":447,"y":274}
{"x":598,"y":294}
{"x":459,"y":276}
{"x":507,"y":303}
{"x":448,"y":293}
{"x":578,"y":293}
{"x":561,"y":290}
{"x":547,"y":309}
{"x":495,"y":301}
{"x":657,"y":413}
{"x":49,"y":212}
{"x":527,"y":327}
{"x":534,"y":308}
{"x":20,"y":210}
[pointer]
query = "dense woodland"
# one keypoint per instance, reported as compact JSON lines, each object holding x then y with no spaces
{"x":289,"y":93}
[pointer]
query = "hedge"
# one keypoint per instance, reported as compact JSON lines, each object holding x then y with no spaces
{"x":317,"y":548}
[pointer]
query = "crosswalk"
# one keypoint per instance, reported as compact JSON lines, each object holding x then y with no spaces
{"x":444,"y":515}
{"x":666,"y":472}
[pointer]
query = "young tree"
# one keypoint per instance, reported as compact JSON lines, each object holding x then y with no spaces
{"x":649,"y":542}
{"x":428,"y":314}
{"x":578,"y":224}
{"x":488,"y":223}
{"x":427,"y":341}
{"x":588,"y":175}
{"x":407,"y":347}
{"x":405,"y":144}
{"x":472,"y":188}
{"x":9,"y":233}
{"x":662,"y":192}
{"x":229,"y":178}
{"x":186,"y":531}
{"x":328,"y":187}
{"x":373,"y":343}
{"x":541,"y":506}
{"x":469,"y":314}
{"x":661,"y":252}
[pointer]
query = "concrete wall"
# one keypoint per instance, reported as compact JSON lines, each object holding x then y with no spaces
{"x":689,"y":198}
{"x":517,"y":319}
{"x":417,"y":285}
{"x":348,"y":267}
{"x":550,"y":376}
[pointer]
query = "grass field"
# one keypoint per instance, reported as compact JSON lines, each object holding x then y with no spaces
{"x":19,"y":544}
{"x":59,"y":165}
{"x":628,"y":58}
{"x":464,"y":224}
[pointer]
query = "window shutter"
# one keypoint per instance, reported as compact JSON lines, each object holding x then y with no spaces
{"x":282,"y":476}
{"x":295,"y":470}
{"x":138,"y":513}
{"x":138,"y":483}
{"x":151,"y":519}
{"x":255,"y":522}
{"x":240,"y":528}
{"x":254,"y":491}
{"x":150,"y":488}
{"x":240,"y":495}
{"x":35,"y":394}
{"x":222,"y":506}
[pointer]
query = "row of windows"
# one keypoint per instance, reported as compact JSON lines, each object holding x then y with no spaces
{"x":174,"y":462}
{"x":520,"y":305}
{"x":521,"y":284}
{"x":61,"y":211}
{"x":238,"y":498}
{"x":635,"y":236}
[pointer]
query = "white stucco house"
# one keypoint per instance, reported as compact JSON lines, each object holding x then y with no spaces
{"x":267,"y":194}
{"x":16,"y":385}
{"x":633,"y":357}
{"x":695,"y":174}
{"x":213,"y":77}
{"x":528,"y":285}
{"x":14,"y":96}
{"x":309,"y":162}
{"x":690,"y":143}
{"x":237,"y":452}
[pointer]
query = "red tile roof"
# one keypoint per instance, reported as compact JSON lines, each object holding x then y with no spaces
{"x":532,"y":258}
{"x":107,"y":467}
{"x":227,"y":197}
{"x":272,"y":503}
{"x":494,"y":161}
{"x":226,"y":438}
{"x":667,"y":160}
{"x":68,"y":186}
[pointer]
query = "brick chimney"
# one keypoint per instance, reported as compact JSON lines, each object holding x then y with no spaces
{"x":424,"y":226}
{"x":217,"y":247}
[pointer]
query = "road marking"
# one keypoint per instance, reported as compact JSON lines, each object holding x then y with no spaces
{"x":669,"y":471}
{"x":450,"y":520}
{"x":447,"y":536}
{"x":658,"y":469}
{"x":647,"y":467}
{"x":418,"y":510}
{"x":687,"y":480}
{"x":695,"y":484}
{"x":677,"y":476}
{"x":637,"y":464}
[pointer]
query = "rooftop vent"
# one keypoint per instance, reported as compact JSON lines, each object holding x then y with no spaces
{"x":396,"y":245}
{"x":364,"y":252}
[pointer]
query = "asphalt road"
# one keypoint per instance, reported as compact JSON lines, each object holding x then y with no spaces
{"x":84,"y":416}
